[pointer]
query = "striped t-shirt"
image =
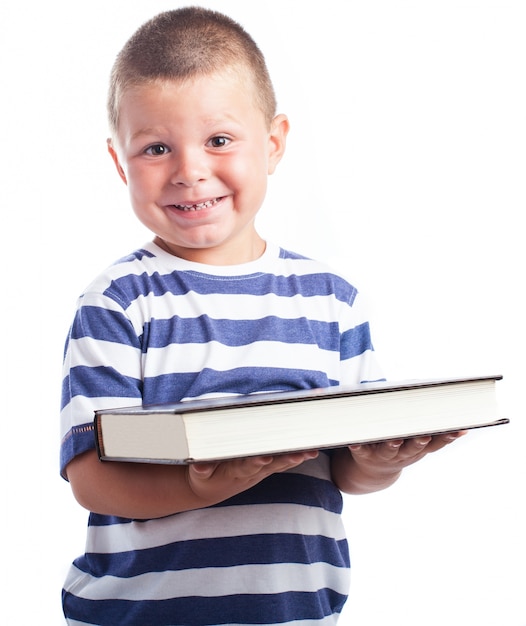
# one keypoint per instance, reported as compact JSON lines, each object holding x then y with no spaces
{"x":155,"y":328}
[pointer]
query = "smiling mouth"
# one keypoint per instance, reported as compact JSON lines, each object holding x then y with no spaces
{"x":197,"y":207}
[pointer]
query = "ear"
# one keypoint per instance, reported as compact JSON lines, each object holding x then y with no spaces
{"x":114,"y":156}
{"x":279,"y":129}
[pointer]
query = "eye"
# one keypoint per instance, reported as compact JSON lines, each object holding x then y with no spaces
{"x":219,"y":142}
{"x":157,"y":149}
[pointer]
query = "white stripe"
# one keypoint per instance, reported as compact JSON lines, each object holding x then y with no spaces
{"x":94,"y":297}
{"x":113,"y":272}
{"x":214,"y":523}
{"x":364,"y":367}
{"x":319,"y":467}
{"x":273,"y":578}
{"x":164,"y":262}
{"x":233,"y":306}
{"x":267,"y":264}
{"x":81,"y":410}
{"x":91,"y":352}
{"x":191,"y":357}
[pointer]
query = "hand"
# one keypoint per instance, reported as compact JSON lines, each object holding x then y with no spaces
{"x":375,"y":466}
{"x":391,"y":457}
{"x":218,"y":481}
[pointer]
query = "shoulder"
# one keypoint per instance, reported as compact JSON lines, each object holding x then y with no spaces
{"x":309,"y":264}
{"x":323,"y":277}
{"x":126,"y":278}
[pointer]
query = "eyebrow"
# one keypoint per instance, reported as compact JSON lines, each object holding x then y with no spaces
{"x":147,"y":131}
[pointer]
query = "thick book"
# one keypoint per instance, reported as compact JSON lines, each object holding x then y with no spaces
{"x":278,"y":422}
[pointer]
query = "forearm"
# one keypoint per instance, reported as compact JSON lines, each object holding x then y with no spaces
{"x":131,"y":490}
{"x":353,"y":478}
{"x":143,"y":491}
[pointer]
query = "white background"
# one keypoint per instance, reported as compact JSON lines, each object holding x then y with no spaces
{"x":405,"y":168}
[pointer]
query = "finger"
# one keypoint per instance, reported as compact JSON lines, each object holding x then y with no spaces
{"x":385,"y":451}
{"x":414,"y":448}
{"x":440,"y":441}
{"x":297,"y":458}
{"x":284,"y":462}
{"x":417,"y":444}
{"x":203,"y":470}
{"x":449,"y":437}
{"x":248,"y":466}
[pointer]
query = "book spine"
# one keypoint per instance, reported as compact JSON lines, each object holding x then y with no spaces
{"x":99,"y":440}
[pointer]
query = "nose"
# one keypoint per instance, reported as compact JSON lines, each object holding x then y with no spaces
{"x":190,"y":168}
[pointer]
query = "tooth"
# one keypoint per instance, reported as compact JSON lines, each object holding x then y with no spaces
{"x":197,"y":207}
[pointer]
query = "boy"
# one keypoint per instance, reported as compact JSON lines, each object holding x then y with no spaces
{"x":210,"y":308}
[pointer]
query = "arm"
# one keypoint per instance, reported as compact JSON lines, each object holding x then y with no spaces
{"x":361,"y":469}
{"x":143,"y":491}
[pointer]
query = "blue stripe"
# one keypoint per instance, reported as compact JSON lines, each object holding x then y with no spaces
{"x":135,"y":256}
{"x":159,"y":333}
{"x":78,"y":440}
{"x":241,"y":380}
{"x":93,"y":382}
{"x":355,"y":341}
{"x":96,"y":519}
{"x":103,"y":324}
{"x":66,"y":395}
{"x":203,"y":611}
{"x":291,"y":488}
{"x":128,"y":288}
{"x":288,"y":254}
{"x":218,"y":552}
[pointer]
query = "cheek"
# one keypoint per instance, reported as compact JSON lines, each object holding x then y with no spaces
{"x":246,"y":171}
{"x":141,"y":183}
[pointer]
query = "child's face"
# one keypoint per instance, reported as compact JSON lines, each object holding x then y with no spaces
{"x":195,"y":156}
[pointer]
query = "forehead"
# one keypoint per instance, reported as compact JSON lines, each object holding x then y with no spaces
{"x":239,"y":80}
{"x":211,"y":97}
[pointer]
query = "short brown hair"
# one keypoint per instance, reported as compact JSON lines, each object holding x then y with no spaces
{"x":182,"y":44}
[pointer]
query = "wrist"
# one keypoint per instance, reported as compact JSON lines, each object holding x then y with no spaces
{"x":359,"y":473}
